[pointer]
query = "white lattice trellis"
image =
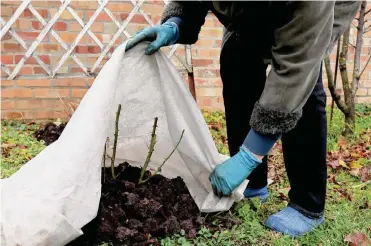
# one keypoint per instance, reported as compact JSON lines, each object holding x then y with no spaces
{"x":105,"y":48}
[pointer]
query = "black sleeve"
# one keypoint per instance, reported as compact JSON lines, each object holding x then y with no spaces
{"x":192,"y":13}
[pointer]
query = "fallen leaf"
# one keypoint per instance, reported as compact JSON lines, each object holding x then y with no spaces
{"x":332,"y":179}
{"x":345,"y":194}
{"x":357,"y":239}
{"x":6,"y":145}
{"x":355,"y":155}
{"x":342,"y":142}
{"x":355,"y":172}
{"x":333,"y":164}
{"x":365,"y":173}
{"x":22,"y":147}
{"x":355,"y":164}
{"x":343,"y":164}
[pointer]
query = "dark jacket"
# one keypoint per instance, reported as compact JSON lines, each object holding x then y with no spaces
{"x":294,"y":35}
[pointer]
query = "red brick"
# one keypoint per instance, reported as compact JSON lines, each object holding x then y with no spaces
{"x":202,"y":62}
{"x":206,"y":73}
{"x":51,"y":93}
{"x":12,"y":47}
{"x":156,"y":19}
{"x":204,"y":42}
{"x":205,"y":53}
{"x":137,"y":18}
{"x":153,"y":9}
{"x":33,"y":82}
{"x":7,"y":82}
{"x":45,"y":4}
{"x":81,"y":49}
{"x":26,"y":13}
{"x":7,"y":59}
{"x":44,"y":58}
{"x":6,"y":11}
{"x":13,"y":115}
{"x":91,"y":81}
{"x":69,"y":82}
{"x":209,"y":22}
{"x":46,"y":48}
{"x":74,"y":27}
{"x":36,"y":25}
{"x":76,"y":70}
{"x":60,"y":26}
{"x":101,"y":16}
{"x":39,"y":70}
{"x":218,"y":43}
{"x":120,"y":7}
{"x":31,"y":36}
{"x":22,"y":24}
{"x":16,"y":93}
{"x":361,"y":92}
{"x":7,"y":104}
{"x":26,"y":70}
{"x":7,"y":36}
{"x":96,"y":27}
{"x":69,"y":37}
{"x":44,"y":114}
{"x":94,"y":50}
{"x":79,"y":92}
{"x":43,"y":12}
{"x":211,"y":32}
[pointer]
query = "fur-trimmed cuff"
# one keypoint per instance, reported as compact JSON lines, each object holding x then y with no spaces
{"x":173,"y":9}
{"x":270,"y":121}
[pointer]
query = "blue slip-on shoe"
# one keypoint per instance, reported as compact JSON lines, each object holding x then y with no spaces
{"x":291,"y":222}
{"x":262,"y":193}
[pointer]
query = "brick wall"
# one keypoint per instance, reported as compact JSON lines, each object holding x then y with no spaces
{"x":31,"y":95}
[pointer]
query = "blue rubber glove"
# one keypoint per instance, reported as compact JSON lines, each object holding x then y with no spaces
{"x":229,"y":175}
{"x":163,"y":35}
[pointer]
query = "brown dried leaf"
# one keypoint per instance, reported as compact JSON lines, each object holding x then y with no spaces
{"x":345,"y":194}
{"x":357,"y":239}
{"x":333,"y":164}
{"x":332,"y":179}
{"x":6,"y":145}
{"x":342,"y":142}
{"x":343,"y":164}
{"x":365,"y":173}
{"x":355,"y":172}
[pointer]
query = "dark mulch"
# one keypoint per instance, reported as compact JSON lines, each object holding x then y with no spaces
{"x":133,"y":214}
{"x":49,"y":132}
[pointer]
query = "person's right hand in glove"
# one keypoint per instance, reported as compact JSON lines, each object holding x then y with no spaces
{"x":163,"y":35}
{"x":226,"y":177}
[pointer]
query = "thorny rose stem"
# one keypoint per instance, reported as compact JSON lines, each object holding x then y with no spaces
{"x":151,"y":148}
{"x":115,"y":141}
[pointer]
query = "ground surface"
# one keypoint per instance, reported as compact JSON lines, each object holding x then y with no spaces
{"x":348,"y":208}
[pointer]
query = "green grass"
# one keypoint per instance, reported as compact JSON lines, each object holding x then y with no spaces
{"x":17,"y":146}
{"x":342,"y":216}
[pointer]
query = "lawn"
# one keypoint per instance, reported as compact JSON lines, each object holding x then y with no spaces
{"x":347,"y":215}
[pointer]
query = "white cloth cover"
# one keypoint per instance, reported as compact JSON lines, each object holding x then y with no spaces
{"x":55,"y":194}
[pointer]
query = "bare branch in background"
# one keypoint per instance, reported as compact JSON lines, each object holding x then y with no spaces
{"x":359,"y":43}
{"x":331,"y":86}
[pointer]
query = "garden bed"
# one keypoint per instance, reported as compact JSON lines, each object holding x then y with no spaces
{"x":136,"y":214}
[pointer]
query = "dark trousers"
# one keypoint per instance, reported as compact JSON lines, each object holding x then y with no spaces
{"x":304,"y":148}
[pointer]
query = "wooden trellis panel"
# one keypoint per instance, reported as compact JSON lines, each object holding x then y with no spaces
{"x":52,"y":72}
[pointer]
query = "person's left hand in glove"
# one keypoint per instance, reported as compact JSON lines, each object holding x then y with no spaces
{"x":226,"y":177}
{"x":163,"y":35}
